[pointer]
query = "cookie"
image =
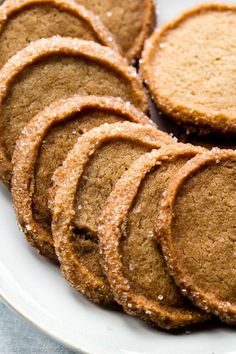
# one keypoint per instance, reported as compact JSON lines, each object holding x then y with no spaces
{"x":25,"y":21}
{"x":43,"y":146}
{"x":131,"y":260}
{"x":131,"y":22}
{"x":197,"y":229}
{"x":188,"y":67}
{"x":81,"y":187}
{"x":210,"y":141}
{"x":55,"y":68}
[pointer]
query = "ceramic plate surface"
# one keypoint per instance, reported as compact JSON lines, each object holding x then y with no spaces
{"x":35,"y":289}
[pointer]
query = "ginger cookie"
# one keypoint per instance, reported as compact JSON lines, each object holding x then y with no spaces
{"x":25,"y":21}
{"x":131,"y":22}
{"x":131,"y":259}
{"x":188,"y":67}
{"x":43,"y":146}
{"x":81,"y":187}
{"x":50,"y":69}
{"x":197,"y":229}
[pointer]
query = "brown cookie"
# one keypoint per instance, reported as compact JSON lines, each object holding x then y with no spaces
{"x":197,"y":229}
{"x":189,"y":68}
{"x":81,"y":187}
{"x":55,"y":68}
{"x":131,"y":22}
{"x":134,"y":265}
{"x":43,"y":146}
{"x":25,"y":21}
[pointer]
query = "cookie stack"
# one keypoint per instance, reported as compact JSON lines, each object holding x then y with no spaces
{"x":131,"y":215}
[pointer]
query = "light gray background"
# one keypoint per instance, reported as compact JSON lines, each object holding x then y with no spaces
{"x":17,"y":336}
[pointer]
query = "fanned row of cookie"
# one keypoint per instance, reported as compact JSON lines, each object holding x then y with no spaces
{"x":123,"y":26}
{"x":131,"y":215}
{"x":105,"y":201}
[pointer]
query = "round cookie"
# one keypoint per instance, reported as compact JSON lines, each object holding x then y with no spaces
{"x":25,"y":21}
{"x":197,"y":229}
{"x":188,"y":67}
{"x":43,"y":146}
{"x":50,"y":69}
{"x":131,"y":260}
{"x":81,"y":187}
{"x":131,"y":22}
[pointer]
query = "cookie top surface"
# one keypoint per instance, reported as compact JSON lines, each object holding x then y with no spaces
{"x":42,"y":147}
{"x":25,"y":21}
{"x":131,"y":22}
{"x":66,"y":66}
{"x":188,"y":66}
{"x":131,"y":259}
{"x":81,"y":187}
{"x":199,"y":209}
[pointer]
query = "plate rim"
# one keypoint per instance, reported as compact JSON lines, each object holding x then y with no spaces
{"x":15,"y":309}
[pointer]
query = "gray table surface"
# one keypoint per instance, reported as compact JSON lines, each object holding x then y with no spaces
{"x":18,"y":336}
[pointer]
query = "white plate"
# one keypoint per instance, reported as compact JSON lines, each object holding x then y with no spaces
{"x":36,"y":290}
